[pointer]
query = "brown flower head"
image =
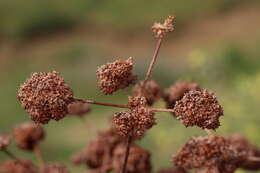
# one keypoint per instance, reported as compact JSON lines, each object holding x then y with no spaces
{"x":27,"y":135}
{"x":99,"y":152}
{"x":4,"y":141}
{"x":136,"y":121}
{"x":199,"y":108}
{"x":55,"y":168}
{"x":115,"y":75}
{"x":177,"y":91}
{"x":138,"y":159}
{"x":21,"y":166}
{"x":151,"y":91}
{"x":172,"y":170}
{"x":206,"y":152}
{"x":78,"y":108}
{"x":160,"y":30}
{"x":45,"y":96}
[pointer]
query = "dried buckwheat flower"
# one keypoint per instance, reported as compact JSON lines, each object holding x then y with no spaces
{"x":115,"y":75}
{"x":15,"y":166}
{"x":199,"y":108}
{"x":78,"y":108}
{"x":160,"y":30}
{"x":55,"y":168}
{"x":45,"y":96}
{"x":177,"y":91}
{"x":151,"y":91}
{"x":27,"y":135}
{"x":4,"y":141}
{"x":208,"y":151}
{"x":138,"y":159}
{"x":136,"y":121}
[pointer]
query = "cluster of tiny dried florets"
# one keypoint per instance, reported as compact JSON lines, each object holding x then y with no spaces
{"x":136,"y":121}
{"x":18,"y":166}
{"x":160,"y":30}
{"x":115,"y":75}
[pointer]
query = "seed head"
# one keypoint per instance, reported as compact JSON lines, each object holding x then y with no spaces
{"x":45,"y":96}
{"x":177,"y":91}
{"x":207,"y":152}
{"x":21,"y":166}
{"x":99,"y":152}
{"x":138,"y":159}
{"x":199,"y":108}
{"x":151,"y":92}
{"x":55,"y":168}
{"x":116,"y":75}
{"x":28,"y":135}
{"x":160,"y":30}
{"x":4,"y":141}
{"x":136,"y":121}
{"x":78,"y":108}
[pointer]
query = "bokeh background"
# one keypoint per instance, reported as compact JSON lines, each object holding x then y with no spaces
{"x":215,"y":43}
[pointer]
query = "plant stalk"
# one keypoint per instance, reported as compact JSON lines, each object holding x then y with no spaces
{"x":39,"y":156}
{"x":129,"y":140}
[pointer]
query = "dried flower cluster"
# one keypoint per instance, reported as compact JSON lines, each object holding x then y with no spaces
{"x":55,"y":168}
{"x":15,"y":166}
{"x":160,"y":30}
{"x":199,"y":108}
{"x":28,"y":135}
{"x":4,"y":141}
{"x":136,"y":121}
{"x":45,"y":96}
{"x":151,"y":92}
{"x":115,"y":75}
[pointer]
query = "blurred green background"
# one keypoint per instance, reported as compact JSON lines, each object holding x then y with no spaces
{"x":215,"y":43}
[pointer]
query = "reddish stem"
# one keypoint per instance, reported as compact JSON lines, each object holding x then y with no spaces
{"x":161,"y":110}
{"x":39,"y":156}
{"x":129,"y":140}
{"x":103,"y":104}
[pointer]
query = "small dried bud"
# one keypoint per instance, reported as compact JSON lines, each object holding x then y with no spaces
{"x":21,"y":166}
{"x":115,"y":75}
{"x":78,"y":108}
{"x":138,"y":159}
{"x":177,"y":91}
{"x":136,"y":121}
{"x":151,"y":92}
{"x":199,"y":108}
{"x":45,"y":96}
{"x":99,"y":152}
{"x":4,"y":141}
{"x":160,"y":30}
{"x":28,"y":135}
{"x":172,"y":170}
{"x":209,"y":151}
{"x":55,"y":168}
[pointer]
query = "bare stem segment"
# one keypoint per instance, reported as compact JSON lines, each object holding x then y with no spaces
{"x":149,"y":71}
{"x":103,"y":104}
{"x":39,"y":156}
{"x":128,"y":144}
{"x":161,"y":110}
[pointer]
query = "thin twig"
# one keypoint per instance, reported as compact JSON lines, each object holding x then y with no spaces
{"x":161,"y":110}
{"x":39,"y":156}
{"x":149,"y":71}
{"x":129,"y":140}
{"x":103,"y":104}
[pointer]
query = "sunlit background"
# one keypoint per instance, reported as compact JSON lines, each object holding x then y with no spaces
{"x":215,"y":43}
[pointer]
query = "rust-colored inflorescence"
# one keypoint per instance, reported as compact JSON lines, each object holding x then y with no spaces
{"x":138,"y":159}
{"x":4,"y":141}
{"x":177,"y":91}
{"x":15,"y":166}
{"x":55,"y":168}
{"x":208,"y":152}
{"x":115,"y":75}
{"x":136,"y":121}
{"x":151,"y":91}
{"x":99,"y":152}
{"x":28,"y":135}
{"x":199,"y":108}
{"x":160,"y":30}
{"x":45,"y":96}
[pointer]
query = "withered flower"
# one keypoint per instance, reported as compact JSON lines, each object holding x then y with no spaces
{"x":116,"y":75}
{"x":160,"y":30}
{"x":4,"y":141}
{"x":151,"y":92}
{"x":199,"y":108}
{"x":136,"y":121}
{"x":55,"y":168}
{"x":27,"y":135}
{"x":45,"y":96}
{"x":138,"y":159}
{"x":15,"y":166}
{"x":177,"y":91}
